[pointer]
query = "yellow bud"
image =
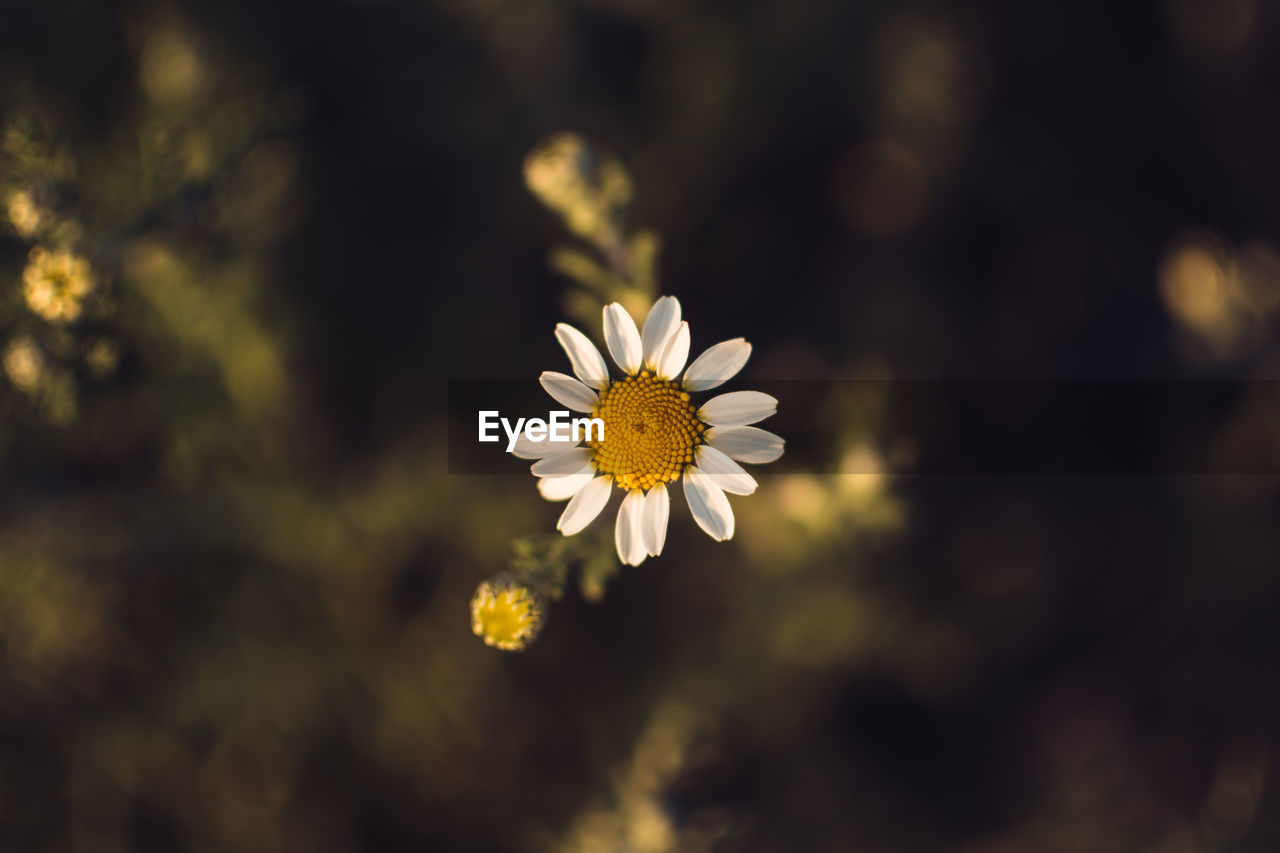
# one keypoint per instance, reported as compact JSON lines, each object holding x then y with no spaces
{"x":506,"y":614}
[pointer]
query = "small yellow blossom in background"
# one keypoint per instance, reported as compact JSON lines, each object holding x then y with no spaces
{"x":506,"y":614}
{"x":56,"y":283}
{"x":24,"y":364}
{"x":25,"y":215}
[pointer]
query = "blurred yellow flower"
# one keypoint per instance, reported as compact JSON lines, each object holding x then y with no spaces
{"x":55,"y":284}
{"x":24,"y":364}
{"x":506,"y":614}
{"x":24,"y":213}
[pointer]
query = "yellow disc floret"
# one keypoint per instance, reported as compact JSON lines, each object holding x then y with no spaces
{"x":650,"y":431}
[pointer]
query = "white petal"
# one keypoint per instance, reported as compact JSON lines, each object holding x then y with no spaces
{"x":627,"y":534}
{"x":660,"y":325}
{"x":588,"y":363}
{"x":738,"y":408}
{"x":674,"y":354}
{"x":746,"y":444}
{"x":526,"y":448}
{"x":568,"y":391}
{"x":585,"y":506}
{"x":653,"y":520}
{"x":562,"y":464}
{"x":623,"y":338}
{"x":717,"y":365}
{"x":708,"y":504}
{"x":724,"y":472}
{"x":563,"y":488}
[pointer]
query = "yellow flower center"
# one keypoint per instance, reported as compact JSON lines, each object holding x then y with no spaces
{"x":650,"y":431}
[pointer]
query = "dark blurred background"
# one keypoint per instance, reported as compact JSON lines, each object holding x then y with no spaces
{"x":246,"y":244}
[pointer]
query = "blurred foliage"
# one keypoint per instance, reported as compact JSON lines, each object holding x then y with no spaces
{"x":243,"y":243}
{"x":591,"y":192}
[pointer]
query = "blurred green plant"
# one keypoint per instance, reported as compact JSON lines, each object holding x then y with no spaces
{"x":591,"y":191}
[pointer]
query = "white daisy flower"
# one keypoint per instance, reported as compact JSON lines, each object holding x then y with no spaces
{"x":654,"y":434}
